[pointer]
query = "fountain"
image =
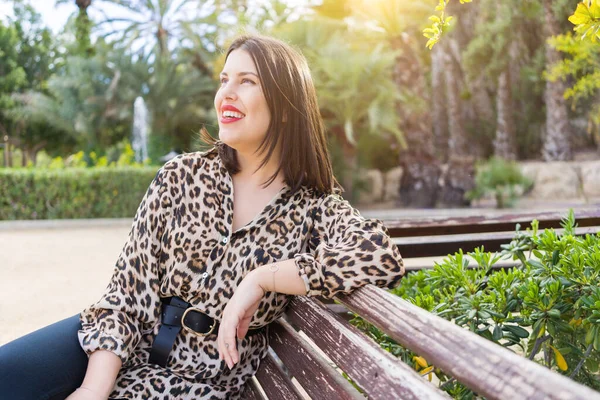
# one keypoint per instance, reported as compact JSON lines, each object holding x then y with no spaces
{"x":139,"y":141}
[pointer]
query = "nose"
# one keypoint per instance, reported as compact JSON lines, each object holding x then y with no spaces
{"x":229,"y":94}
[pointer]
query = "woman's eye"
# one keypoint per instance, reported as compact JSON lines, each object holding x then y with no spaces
{"x":223,"y":80}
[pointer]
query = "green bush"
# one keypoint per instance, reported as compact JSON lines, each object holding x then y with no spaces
{"x":503,"y":179}
{"x":34,"y":193}
{"x":546,"y":309}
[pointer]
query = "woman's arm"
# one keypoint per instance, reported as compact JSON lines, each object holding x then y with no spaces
{"x":345,"y":251}
{"x":131,"y":300}
{"x":281,"y":277}
{"x":100,"y":376}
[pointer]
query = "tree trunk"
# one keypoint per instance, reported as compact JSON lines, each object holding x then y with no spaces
{"x":440,"y":119}
{"x":459,"y":176}
{"x":458,"y":143}
{"x":477,"y":109}
{"x":505,"y":142}
{"x":557,"y":142}
{"x":31,"y":151}
{"x":419,"y":183}
{"x":7,"y":155}
{"x":9,"y":143}
{"x":595,"y":128}
{"x":83,"y":27}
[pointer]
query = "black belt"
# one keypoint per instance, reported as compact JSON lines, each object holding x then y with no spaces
{"x":177,"y":314}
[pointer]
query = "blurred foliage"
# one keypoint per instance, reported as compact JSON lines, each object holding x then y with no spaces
{"x":586,"y":18}
{"x":500,"y":178}
{"x":74,"y":91}
{"x":34,"y":58}
{"x":581,"y":67}
{"x":378,"y":151}
{"x":367,"y":104}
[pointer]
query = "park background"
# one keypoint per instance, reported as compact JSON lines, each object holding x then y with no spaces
{"x":503,"y":111}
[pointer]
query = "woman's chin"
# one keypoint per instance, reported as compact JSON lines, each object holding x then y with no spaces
{"x":229,"y":138}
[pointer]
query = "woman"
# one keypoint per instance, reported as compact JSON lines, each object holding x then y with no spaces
{"x":222,"y":240}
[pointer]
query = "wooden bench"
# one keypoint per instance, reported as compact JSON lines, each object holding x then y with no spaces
{"x":312,"y":344}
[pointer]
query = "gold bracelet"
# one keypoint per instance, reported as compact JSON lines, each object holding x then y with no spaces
{"x":274,"y":268}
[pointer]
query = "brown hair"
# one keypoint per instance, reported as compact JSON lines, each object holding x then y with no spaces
{"x":290,"y":92}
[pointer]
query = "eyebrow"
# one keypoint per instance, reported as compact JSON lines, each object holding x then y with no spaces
{"x":241,"y":73}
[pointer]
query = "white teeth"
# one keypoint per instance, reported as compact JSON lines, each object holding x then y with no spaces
{"x":232,"y":114}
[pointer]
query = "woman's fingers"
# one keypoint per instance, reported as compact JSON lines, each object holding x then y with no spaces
{"x":230,"y":345}
{"x":227,"y":343}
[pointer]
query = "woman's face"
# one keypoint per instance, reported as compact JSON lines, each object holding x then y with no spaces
{"x":240,"y":88}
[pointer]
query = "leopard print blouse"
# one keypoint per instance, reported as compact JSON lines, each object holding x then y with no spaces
{"x":181,"y":244}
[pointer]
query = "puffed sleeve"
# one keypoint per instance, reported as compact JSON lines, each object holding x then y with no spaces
{"x":346,"y":251}
{"x":115,"y":322}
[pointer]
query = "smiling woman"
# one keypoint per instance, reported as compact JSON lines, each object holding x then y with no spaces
{"x":244,"y":114}
{"x":220,"y":243}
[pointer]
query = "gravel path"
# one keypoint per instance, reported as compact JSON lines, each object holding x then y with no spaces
{"x":50,"y":274}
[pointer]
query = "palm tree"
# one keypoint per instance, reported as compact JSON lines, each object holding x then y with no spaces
{"x":421,"y":170}
{"x":438,"y":107}
{"x":505,"y":143}
{"x":153,"y":21}
{"x":497,"y":52}
{"x":180,"y":98}
{"x":92,"y":100}
{"x":83,"y":26}
{"x":89,"y":96}
{"x":557,"y":144}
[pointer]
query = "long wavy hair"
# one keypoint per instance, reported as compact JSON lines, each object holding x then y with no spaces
{"x":289,"y":91}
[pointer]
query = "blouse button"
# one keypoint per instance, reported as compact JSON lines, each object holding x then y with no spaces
{"x":224,"y":239}
{"x":204,"y":275}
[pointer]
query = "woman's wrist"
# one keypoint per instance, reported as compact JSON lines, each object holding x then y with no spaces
{"x":87,"y":389}
{"x":101,"y":374}
{"x":255,"y":277}
{"x":283,"y":278}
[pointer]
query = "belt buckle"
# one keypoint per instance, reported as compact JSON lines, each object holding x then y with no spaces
{"x":190,"y":330}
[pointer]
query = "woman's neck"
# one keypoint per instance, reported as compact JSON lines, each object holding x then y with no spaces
{"x":249,"y":163}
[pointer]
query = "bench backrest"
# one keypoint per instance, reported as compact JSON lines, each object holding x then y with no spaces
{"x":312,"y":345}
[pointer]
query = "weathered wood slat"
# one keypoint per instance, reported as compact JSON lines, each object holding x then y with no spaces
{"x":428,"y":246}
{"x":275,"y":383}
{"x":425,"y":226}
{"x":378,"y":373}
{"x":317,"y":377}
{"x":251,"y":391}
{"x":498,"y":265}
{"x":485,"y":367}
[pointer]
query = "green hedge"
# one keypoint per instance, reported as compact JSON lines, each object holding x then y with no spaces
{"x":29,"y":193}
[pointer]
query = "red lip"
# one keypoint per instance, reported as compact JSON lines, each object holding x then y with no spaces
{"x":229,"y":107}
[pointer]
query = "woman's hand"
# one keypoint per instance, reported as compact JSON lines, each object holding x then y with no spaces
{"x":236,"y":318}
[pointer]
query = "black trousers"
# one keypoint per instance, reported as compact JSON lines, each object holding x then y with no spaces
{"x":48,"y":364}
